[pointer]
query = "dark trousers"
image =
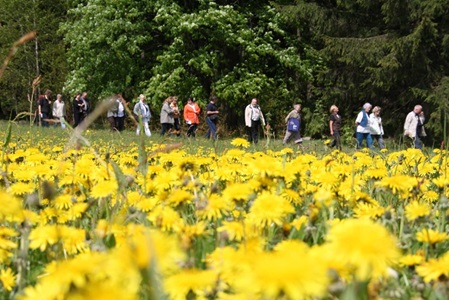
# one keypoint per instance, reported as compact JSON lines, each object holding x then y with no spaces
{"x":177,"y":126}
{"x":120,"y":123}
{"x":337,"y":140}
{"x":212,"y":131}
{"x":44,"y":120}
{"x":253,"y":131}
{"x":111,"y":121}
{"x":77,"y":117}
{"x":165,"y":128}
{"x":192,"y":130}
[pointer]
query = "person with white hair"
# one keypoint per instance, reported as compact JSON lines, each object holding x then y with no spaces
{"x":363,"y":127}
{"x":142,"y":111}
{"x":414,"y":126}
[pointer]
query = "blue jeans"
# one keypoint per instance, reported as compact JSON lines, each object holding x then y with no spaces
{"x":361,"y":136}
{"x":212,"y":131}
{"x":45,"y":117}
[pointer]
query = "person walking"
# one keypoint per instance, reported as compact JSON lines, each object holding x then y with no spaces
{"x":293,"y":121}
{"x":44,"y":108}
{"x":59,"y":111}
{"x":376,"y":128}
{"x":77,"y":110}
{"x":253,"y":120}
{"x":111,"y":114}
{"x":167,"y":116}
{"x":176,"y":112}
{"x":335,"y":127}
{"x":191,"y":116}
{"x":85,"y":106}
{"x":414,"y":126}
{"x":363,"y":127}
{"x":212,"y":118}
{"x":142,"y":111}
{"x":121,"y":113}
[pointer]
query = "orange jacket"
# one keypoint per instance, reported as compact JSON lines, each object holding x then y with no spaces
{"x":191,"y":113}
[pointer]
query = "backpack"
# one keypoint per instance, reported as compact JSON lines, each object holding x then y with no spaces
{"x":293,"y":125}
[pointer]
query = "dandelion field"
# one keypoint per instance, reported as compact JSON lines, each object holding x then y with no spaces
{"x":126,"y":218}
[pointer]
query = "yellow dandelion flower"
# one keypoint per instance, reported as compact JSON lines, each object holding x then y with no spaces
{"x":411,"y":260}
{"x":434,"y":268}
{"x":364,"y":246}
{"x":198,"y":282}
{"x":216,"y":208}
{"x":234,"y":230}
{"x":238,"y":192}
{"x":299,"y":222}
{"x":104,"y":189}
{"x":431,"y":236}
{"x":76,"y":211}
{"x":8,"y":279}
{"x":73,"y":239}
{"x":240,"y":142}
{"x":43,"y":236}
{"x":165,"y":217}
{"x":63,"y":201}
{"x":369,"y":210}
{"x":193,"y":230}
{"x":324,"y":197}
{"x":268,"y":209}
{"x":415,"y":210}
{"x":290,"y":270}
{"x":400,"y":184}
{"x":178,"y":197}
{"x":10,"y":206}
{"x":430,"y":196}
{"x":22,"y":188}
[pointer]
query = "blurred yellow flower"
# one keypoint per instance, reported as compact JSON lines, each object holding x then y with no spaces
{"x":8,"y":279}
{"x":415,"y":210}
{"x":240,"y":142}
{"x":363,"y":246}
{"x":198,"y":282}
{"x":431,"y":236}
{"x":434,"y":268}
{"x":411,"y":260}
{"x":268,"y":209}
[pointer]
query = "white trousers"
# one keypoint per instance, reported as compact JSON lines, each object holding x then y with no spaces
{"x":146,"y":127}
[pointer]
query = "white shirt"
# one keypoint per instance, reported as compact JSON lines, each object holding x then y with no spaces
{"x":360,"y":128}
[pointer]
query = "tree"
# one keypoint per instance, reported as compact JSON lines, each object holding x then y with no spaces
{"x":45,"y":56}
{"x":234,"y":50}
{"x":391,"y":53}
{"x":111,"y":45}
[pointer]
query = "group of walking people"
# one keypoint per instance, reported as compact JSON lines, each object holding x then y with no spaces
{"x":369,"y":127}
{"x":170,"y":116}
{"x":368,"y":121}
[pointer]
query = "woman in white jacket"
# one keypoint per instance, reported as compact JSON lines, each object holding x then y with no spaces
{"x":376,"y":128}
{"x":414,"y":126}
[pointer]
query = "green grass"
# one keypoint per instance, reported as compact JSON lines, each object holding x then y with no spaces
{"x":56,"y":136}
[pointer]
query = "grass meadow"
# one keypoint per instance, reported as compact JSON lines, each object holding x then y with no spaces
{"x":100,"y":215}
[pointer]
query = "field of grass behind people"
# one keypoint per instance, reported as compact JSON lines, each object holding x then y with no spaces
{"x":101,"y":215}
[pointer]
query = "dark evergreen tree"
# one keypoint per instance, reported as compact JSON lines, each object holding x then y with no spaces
{"x":391,"y":53}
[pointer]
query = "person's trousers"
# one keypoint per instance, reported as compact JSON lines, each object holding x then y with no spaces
{"x":364,"y":136}
{"x":212,"y":131}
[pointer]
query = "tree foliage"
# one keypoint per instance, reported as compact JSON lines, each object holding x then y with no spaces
{"x":391,"y":53}
{"x":188,"y":48}
{"x":45,"y":56}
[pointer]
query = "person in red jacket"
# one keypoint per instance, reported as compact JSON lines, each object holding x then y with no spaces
{"x":191,"y":116}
